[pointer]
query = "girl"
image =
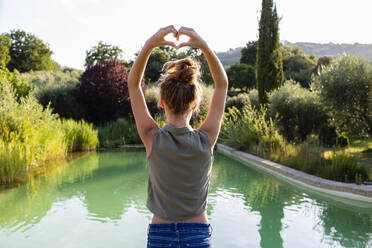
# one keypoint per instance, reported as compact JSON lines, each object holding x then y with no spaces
{"x":179,"y":157}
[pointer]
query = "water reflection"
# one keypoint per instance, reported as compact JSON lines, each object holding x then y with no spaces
{"x":251,"y":208}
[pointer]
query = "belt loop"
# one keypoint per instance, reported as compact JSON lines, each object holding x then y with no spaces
{"x":175,"y":226}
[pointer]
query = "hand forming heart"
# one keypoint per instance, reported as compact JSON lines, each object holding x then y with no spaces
{"x":158,"y":39}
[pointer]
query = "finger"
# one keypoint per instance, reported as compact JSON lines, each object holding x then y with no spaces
{"x":183,"y":44}
{"x":169,"y":43}
{"x":185,"y":31}
{"x":169,"y":29}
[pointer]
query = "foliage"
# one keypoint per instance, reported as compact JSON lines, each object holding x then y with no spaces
{"x":249,"y":53}
{"x":241,"y":76}
{"x":152,"y":100}
{"x":327,"y":135}
{"x":29,"y":135}
{"x":342,"y":140}
{"x":297,"y":65}
{"x":249,"y":128}
{"x":5,"y":44}
{"x":238,"y":101}
{"x":101,"y":53}
{"x":79,"y":136}
{"x":322,"y":62}
{"x":59,"y":89}
{"x":52,"y":79}
{"x":345,"y":88}
{"x":157,"y":59}
{"x":104,"y":91}
{"x":250,"y":131}
{"x":299,"y":111}
{"x":64,"y":101}
{"x":27,"y":52}
{"x":117,"y":133}
{"x":269,"y":58}
{"x":343,"y":167}
{"x":20,"y":87}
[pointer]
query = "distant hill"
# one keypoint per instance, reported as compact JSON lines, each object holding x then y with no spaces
{"x":229,"y":57}
{"x":318,"y":49}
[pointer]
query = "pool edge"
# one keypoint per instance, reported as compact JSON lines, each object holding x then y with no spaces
{"x":344,"y":190}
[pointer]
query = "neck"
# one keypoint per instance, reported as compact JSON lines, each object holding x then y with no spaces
{"x":178,"y":120}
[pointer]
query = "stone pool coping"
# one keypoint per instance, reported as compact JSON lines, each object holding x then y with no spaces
{"x":344,"y":190}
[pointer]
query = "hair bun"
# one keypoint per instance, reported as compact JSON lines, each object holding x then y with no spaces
{"x":185,"y":71}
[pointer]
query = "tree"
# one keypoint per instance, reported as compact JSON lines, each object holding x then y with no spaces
{"x":101,"y":53}
{"x":345,"y":88}
{"x":104,"y":91}
{"x":5,"y":44}
{"x":297,"y":65}
{"x":197,"y":54}
{"x":249,"y":53}
{"x":269,"y":59}
{"x":241,"y":76}
{"x":27,"y":52}
{"x":155,"y":64}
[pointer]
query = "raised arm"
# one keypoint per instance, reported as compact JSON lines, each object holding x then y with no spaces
{"x":212,"y":123}
{"x":146,"y":125}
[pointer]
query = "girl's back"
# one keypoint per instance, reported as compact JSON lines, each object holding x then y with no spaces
{"x":180,"y":165}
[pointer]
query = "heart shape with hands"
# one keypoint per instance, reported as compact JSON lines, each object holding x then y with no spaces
{"x":169,"y":36}
{"x":181,"y":39}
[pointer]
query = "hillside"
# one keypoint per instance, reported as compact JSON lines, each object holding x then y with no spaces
{"x":318,"y":49}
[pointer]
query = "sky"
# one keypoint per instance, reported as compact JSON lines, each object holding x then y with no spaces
{"x":71,"y":27}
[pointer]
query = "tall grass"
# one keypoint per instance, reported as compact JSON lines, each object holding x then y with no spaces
{"x":80,"y":136}
{"x":31,"y":135}
{"x":117,"y":133}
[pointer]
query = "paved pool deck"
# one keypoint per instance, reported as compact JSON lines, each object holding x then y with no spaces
{"x":345,"y":190}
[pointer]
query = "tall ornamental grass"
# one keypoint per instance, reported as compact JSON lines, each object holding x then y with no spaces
{"x":31,"y":135}
{"x":117,"y":133}
{"x":79,"y":135}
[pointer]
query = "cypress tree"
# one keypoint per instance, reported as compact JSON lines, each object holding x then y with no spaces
{"x":269,"y":58}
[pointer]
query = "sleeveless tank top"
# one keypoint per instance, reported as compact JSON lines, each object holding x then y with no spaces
{"x":180,"y":165}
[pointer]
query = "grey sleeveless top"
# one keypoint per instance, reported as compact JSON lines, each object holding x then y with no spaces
{"x":180,"y":166}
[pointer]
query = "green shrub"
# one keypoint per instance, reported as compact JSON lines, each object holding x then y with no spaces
{"x":59,"y":89}
{"x":249,"y":129}
{"x":52,"y":79}
{"x":152,"y":100}
{"x":117,"y":133}
{"x":238,"y":101}
{"x":21,"y":88}
{"x":63,"y":100}
{"x":327,"y":135}
{"x":345,"y":88}
{"x":241,"y":76}
{"x":343,"y":167}
{"x":299,"y":111}
{"x":342,"y":140}
{"x":312,"y":139}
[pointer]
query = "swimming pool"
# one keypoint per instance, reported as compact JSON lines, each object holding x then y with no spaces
{"x":99,"y":201}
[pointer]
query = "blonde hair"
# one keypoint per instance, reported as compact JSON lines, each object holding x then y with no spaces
{"x":179,"y":84}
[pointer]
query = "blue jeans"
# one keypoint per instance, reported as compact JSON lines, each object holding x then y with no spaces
{"x":179,"y":235}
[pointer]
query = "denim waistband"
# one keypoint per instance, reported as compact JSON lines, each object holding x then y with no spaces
{"x":179,"y":226}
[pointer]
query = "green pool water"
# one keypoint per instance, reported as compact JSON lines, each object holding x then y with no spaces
{"x":99,"y":201}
